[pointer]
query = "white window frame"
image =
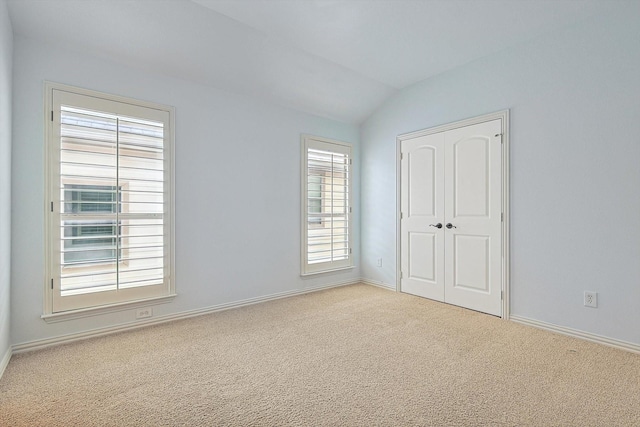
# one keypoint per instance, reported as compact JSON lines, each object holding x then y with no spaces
{"x":100,"y":302}
{"x":338,"y":147}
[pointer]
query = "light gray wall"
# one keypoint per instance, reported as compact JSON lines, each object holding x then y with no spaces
{"x":575,"y":169}
{"x":6,"y":65}
{"x":237,"y":188}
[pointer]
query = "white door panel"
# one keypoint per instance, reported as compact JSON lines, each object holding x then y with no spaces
{"x":473,"y":246}
{"x":471,"y":258}
{"x":421,"y":164}
{"x":422,"y":205}
{"x":422,"y":246}
{"x":470,"y":177}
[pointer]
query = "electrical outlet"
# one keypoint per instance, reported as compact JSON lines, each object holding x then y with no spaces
{"x":143,"y":313}
{"x":590,"y":299}
{"x":379,"y":262}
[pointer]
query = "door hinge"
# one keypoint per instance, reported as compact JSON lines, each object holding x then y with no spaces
{"x":502,"y":217}
{"x":401,"y":156}
{"x":350,"y":210}
{"x":400,"y":215}
{"x":51,"y":283}
{"x":401,"y":274}
{"x":349,"y":250}
{"x":51,"y":115}
{"x":501,"y":295}
{"x":51,"y":206}
{"x":350,"y":161}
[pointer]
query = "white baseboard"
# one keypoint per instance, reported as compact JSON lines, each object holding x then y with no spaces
{"x":377,"y":284}
{"x":575,"y":333}
{"x":5,"y":360}
{"x":64,"y":339}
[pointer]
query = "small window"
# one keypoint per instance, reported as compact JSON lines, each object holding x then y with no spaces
{"x":95,"y":242}
{"x":326,"y":233}
{"x":109,"y":200}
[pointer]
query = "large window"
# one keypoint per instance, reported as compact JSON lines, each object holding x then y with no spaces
{"x":326,"y":225}
{"x":109,"y":200}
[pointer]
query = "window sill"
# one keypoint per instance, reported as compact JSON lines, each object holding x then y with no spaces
{"x":331,"y":270}
{"x":104,"y":309}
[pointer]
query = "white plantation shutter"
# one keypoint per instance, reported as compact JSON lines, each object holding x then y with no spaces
{"x":109,"y":182}
{"x":326,"y":221}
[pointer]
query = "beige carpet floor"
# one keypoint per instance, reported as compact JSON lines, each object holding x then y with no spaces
{"x":351,"y":356}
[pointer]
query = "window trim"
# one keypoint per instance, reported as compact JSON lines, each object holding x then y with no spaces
{"x":306,"y":269}
{"x":50,"y":195}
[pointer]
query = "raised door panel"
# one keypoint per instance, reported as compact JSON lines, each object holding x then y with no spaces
{"x":471,"y":257}
{"x":422,"y":256}
{"x":471,"y":177}
{"x":421,"y":168}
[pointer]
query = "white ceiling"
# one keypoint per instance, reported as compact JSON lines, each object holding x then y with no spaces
{"x":335,"y":58}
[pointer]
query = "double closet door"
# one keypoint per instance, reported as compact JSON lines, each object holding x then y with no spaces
{"x":451,"y":216}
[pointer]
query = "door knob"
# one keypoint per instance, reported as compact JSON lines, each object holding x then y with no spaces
{"x":438,"y":225}
{"x":450,"y":226}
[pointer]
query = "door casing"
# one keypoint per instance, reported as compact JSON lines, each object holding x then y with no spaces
{"x":504,"y":116}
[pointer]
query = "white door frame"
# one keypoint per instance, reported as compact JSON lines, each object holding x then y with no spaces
{"x":506,"y":253}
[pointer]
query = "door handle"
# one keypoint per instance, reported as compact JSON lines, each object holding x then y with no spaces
{"x":450,"y":226}
{"x":438,"y":225}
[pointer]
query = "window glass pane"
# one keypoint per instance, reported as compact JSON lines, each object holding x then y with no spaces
{"x":94,"y":241}
{"x":90,"y":198}
{"x":88,"y":242}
